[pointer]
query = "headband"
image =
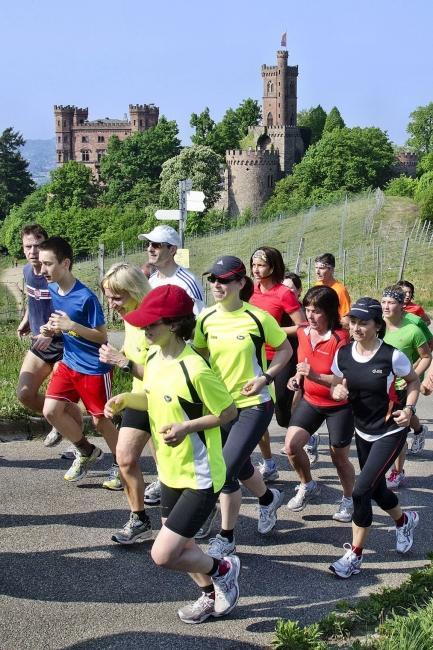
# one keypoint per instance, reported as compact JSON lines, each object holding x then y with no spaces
{"x":260,"y":254}
{"x":396,"y":294}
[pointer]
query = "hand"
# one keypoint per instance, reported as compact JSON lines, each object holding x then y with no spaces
{"x":110,"y":354}
{"x":428,"y":382}
{"x":174,"y":433}
{"x":303,"y":368}
{"x":47,"y":330}
{"x":340,"y":392}
{"x":41,"y":342}
{"x":293,"y":383}
{"x":60,"y":321}
{"x":115,"y":405}
{"x":254,"y":386}
{"x":402,"y":417}
{"x":22,"y":330}
{"x":424,"y":390}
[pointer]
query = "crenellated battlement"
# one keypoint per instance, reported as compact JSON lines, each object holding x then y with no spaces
{"x":253,"y":157}
{"x":145,"y":108}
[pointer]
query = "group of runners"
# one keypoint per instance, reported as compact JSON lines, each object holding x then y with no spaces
{"x":206,"y":382}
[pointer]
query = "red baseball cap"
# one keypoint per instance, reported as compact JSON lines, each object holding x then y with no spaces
{"x":167,"y":301}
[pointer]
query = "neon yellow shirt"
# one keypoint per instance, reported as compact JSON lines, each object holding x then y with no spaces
{"x":236,"y":342}
{"x":182,"y":389}
{"x":135,"y":348}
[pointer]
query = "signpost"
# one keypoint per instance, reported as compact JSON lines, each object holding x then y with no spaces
{"x":189,"y":201}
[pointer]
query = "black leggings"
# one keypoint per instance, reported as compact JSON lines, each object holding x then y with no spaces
{"x":375,"y":458}
{"x":284,"y":396}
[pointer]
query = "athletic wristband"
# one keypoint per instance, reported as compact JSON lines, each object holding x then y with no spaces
{"x":411,"y":407}
{"x":268,"y":378}
{"x":128,"y":367}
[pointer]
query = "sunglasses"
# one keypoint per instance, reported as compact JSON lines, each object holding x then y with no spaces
{"x":213,"y":278}
{"x":157,"y":244}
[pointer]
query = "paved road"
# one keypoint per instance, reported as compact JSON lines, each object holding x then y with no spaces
{"x":64,"y":584}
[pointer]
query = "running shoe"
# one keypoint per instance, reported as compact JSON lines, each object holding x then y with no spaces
{"x":53,"y":438}
{"x":69,"y":453}
{"x":133,"y":531}
{"x":347,"y":565}
{"x":206,"y":528}
{"x":395,"y":479}
{"x":82,"y":464}
{"x":220,"y":546}
{"x":268,"y":474}
{"x":226,"y":587}
{"x":345,"y":510}
{"x":199,"y":611}
{"x":283,"y":451}
{"x":152,"y":494}
{"x":418,"y":440}
{"x":303,"y":496}
{"x":268,"y":514}
{"x":404,"y":534}
{"x":312,"y":448}
{"x":113,"y":481}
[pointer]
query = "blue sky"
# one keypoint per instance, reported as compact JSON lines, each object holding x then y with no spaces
{"x":372,"y":59}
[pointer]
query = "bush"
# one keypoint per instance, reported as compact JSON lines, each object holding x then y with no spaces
{"x":290,"y":636}
{"x":402,"y":186}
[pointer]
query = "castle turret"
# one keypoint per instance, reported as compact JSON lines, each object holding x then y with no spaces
{"x":251,"y":178}
{"x":63,"y":116}
{"x":80,"y":116}
{"x":143,"y":116}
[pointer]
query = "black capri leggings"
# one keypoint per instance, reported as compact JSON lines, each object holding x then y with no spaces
{"x":284,"y":396}
{"x":240,"y":437}
{"x":375,"y":458}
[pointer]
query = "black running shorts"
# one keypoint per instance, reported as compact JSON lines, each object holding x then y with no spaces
{"x":134,"y":419}
{"x":53,"y":353}
{"x":186,"y":509}
{"x":339,"y":420}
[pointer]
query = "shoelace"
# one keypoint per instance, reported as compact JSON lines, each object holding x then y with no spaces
{"x":393,"y":475}
{"x":201,"y":601}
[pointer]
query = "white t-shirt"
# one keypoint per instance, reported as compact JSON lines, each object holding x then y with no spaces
{"x":184,"y":279}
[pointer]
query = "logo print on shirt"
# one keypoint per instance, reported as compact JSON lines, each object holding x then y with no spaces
{"x":240,"y":337}
{"x":167,"y":398}
{"x":377,"y":371}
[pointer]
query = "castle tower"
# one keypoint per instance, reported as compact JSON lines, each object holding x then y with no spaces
{"x":251,"y":176}
{"x":80,"y":116}
{"x":64,"y":116}
{"x":279,"y":92}
{"x":143,"y":116}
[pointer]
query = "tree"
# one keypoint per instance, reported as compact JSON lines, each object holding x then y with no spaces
{"x":333,"y":121}
{"x":199,"y":163}
{"x":72,"y":186}
{"x":204,"y":127}
{"x":313,"y":118}
{"x":420,"y":129}
{"x":137,"y":158}
{"x":28,"y":212}
{"x":15,"y":180}
{"x":402,"y":186}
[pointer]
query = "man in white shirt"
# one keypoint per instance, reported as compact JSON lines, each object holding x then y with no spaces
{"x":163,"y":242}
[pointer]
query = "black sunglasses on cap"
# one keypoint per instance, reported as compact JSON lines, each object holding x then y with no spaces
{"x":214,"y":278}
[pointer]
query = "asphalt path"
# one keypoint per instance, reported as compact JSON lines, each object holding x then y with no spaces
{"x":65,"y":584}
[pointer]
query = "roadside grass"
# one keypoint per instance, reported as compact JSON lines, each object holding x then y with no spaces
{"x":400,"y":618}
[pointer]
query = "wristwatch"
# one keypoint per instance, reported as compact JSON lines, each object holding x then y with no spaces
{"x":128,"y":367}
{"x":268,"y":378}
{"x":411,"y":407}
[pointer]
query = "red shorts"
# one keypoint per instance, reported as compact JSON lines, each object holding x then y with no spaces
{"x":71,"y":386}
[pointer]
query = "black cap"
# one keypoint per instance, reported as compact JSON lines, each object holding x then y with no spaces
{"x":228,"y":266}
{"x":366,"y":308}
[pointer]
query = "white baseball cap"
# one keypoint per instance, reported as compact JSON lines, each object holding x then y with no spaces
{"x":163,"y":235}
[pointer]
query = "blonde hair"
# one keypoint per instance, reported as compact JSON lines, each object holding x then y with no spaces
{"x":124,"y":276}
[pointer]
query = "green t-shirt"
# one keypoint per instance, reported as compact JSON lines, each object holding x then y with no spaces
{"x":182,"y":389}
{"x":236,"y":343}
{"x":135,"y":348}
{"x":419,"y":322}
{"x":407,"y":338}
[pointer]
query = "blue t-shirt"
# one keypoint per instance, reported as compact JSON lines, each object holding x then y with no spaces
{"x":38,"y":299}
{"x":83,"y":307}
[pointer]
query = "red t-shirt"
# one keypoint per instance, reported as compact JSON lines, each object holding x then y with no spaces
{"x":277,"y":301}
{"x":413,"y":308}
{"x":320,"y":360}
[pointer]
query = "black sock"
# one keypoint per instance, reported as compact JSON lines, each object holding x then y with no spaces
{"x":84,"y":446}
{"x":267,"y":498}
{"x":214,"y":569}
{"x":419,"y":431}
{"x":115,"y":461}
{"x":209,"y":590}
{"x":228,"y":534}
{"x":142,"y":515}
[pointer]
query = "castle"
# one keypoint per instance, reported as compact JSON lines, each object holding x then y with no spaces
{"x":86,"y":141}
{"x":275,"y":145}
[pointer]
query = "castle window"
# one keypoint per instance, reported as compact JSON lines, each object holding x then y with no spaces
{"x":65,"y":138}
{"x":135,"y":122}
{"x":81,"y":121}
{"x":270,"y":87}
{"x":58,"y":122}
{"x":85,"y":155}
{"x":101,"y":138}
{"x":84,"y":138}
{"x":269,"y":120}
{"x":59,"y":139}
{"x":270,"y":180}
{"x":141,"y":122}
{"x":59,"y":157}
{"x":99,"y":154}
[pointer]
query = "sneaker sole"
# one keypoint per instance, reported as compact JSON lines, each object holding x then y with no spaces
{"x":53,"y":444}
{"x":152,"y":502}
{"x":201,"y":620}
{"x":342,"y":520}
{"x":304,"y":505}
{"x":338,"y":575}
{"x":112,"y":489}
{"x":81,"y":476}
{"x":227,"y":611}
{"x":148,"y":535}
{"x":279,"y":504}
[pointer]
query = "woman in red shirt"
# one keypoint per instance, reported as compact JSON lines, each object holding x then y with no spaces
{"x":271,"y":295}
{"x":318,"y":341}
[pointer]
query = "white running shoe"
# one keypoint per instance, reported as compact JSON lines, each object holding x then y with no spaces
{"x":133,"y":531}
{"x":53,"y":438}
{"x":303,"y":496}
{"x":404,"y":534}
{"x":268,"y":474}
{"x":220,"y":546}
{"x":199,"y":611}
{"x":418,"y":440}
{"x":82,"y":464}
{"x":152,"y":494}
{"x":347,"y":565}
{"x":345,"y":510}
{"x":395,"y":479}
{"x":312,"y":448}
{"x":268,"y":514}
{"x":227,"y":588}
